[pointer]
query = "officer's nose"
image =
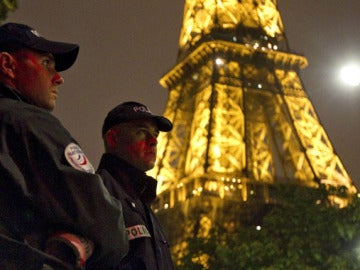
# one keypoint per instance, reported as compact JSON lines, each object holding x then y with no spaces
{"x":57,"y":79}
{"x":152,"y":141}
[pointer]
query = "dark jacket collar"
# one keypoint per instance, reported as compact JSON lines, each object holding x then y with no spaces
{"x":135,"y":182}
{"x":8,"y":92}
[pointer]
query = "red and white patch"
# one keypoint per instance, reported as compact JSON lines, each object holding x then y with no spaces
{"x":137,"y":231}
{"x":77,"y":159}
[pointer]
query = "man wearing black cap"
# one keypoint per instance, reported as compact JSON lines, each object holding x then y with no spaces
{"x":130,"y":133}
{"x":49,"y":194}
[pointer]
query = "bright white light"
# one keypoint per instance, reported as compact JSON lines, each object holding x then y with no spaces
{"x":219,"y":61}
{"x":350,"y":74}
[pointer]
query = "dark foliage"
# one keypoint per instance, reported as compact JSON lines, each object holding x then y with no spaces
{"x":302,"y":230}
{"x":6,"y":6}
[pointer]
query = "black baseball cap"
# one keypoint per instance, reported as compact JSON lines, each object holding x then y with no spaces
{"x":127,"y":111}
{"x":15,"y":36}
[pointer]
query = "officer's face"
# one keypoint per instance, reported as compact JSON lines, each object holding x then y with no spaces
{"x":136,"y":142}
{"x":36,"y":77}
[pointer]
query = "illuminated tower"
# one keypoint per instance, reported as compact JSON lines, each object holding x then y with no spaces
{"x":242,"y":119}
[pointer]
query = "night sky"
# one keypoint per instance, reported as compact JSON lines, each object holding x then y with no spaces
{"x":127,"y":46}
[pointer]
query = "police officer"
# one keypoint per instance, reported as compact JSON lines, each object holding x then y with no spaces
{"x":49,"y":193}
{"x":130,"y":133}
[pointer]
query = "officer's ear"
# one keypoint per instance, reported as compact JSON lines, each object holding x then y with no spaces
{"x":111,"y":138}
{"x":7,"y":65}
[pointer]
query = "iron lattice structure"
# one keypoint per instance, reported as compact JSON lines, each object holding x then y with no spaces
{"x":242,"y":119}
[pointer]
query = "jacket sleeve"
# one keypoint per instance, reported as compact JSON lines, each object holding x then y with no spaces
{"x":64,"y":195}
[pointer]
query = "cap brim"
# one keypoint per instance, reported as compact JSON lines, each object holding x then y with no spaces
{"x":64,"y":54}
{"x":163,"y":123}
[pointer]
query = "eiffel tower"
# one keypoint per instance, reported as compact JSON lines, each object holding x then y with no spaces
{"x":242,"y":120}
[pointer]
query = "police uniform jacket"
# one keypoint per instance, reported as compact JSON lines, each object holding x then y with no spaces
{"x":41,"y":191}
{"x":148,"y":246}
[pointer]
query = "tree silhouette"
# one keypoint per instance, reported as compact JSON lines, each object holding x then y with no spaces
{"x":301,"y":230}
{"x":5,"y":7}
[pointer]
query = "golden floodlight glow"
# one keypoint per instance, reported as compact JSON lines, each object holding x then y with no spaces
{"x":243,"y":122}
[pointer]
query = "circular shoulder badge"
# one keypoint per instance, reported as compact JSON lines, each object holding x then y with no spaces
{"x":77,"y":159}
